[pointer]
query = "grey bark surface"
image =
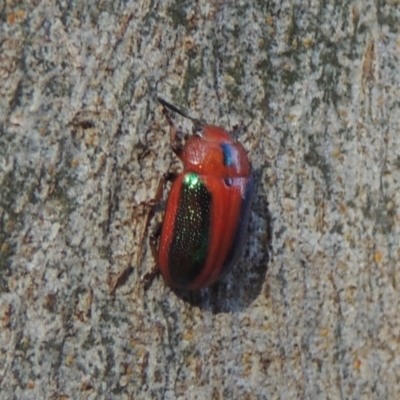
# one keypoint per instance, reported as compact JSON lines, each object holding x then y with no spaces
{"x":311,"y":311}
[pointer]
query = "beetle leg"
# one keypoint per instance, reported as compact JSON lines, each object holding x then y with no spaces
{"x":153,"y":242}
{"x":239,"y":129}
{"x":167,"y":177}
{"x":177,"y":148}
{"x":148,"y":278}
{"x":170,"y":176}
{"x":154,"y":205}
{"x":120,"y":279}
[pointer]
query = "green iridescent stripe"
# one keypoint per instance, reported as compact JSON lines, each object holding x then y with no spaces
{"x":188,"y":251}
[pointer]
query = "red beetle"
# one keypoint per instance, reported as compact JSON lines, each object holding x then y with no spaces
{"x":208,"y":208}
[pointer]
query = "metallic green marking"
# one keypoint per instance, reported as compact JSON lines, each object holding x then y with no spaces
{"x":189,"y":246}
{"x":191,"y":180}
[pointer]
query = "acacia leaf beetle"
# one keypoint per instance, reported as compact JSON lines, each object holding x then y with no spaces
{"x":208,"y":207}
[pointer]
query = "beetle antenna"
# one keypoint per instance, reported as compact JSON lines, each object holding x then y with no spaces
{"x":196,"y":121}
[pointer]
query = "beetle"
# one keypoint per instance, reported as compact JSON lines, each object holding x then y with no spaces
{"x":208,"y":207}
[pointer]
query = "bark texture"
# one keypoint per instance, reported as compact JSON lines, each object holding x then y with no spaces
{"x":311,"y":311}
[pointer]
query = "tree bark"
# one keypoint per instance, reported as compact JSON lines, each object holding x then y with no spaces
{"x":311,"y":311}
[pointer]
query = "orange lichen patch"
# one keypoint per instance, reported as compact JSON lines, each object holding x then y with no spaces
{"x":368,"y":64}
{"x":336,"y":153}
{"x":74,"y":163}
{"x":10,"y":18}
{"x":188,"y":336}
{"x":246,"y":358}
{"x":350,"y":293}
{"x":99,"y":100}
{"x":6,"y":317}
{"x":247,"y":363}
{"x":267,"y":326}
{"x":13,"y":17}
{"x":128,"y":370}
{"x":378,"y":257}
{"x":307,"y":42}
{"x":188,"y":43}
{"x":20,"y":14}
{"x":4,"y":248}
{"x":357,"y":364}
{"x":69,"y":359}
{"x":324,"y":332}
{"x":90,"y":137}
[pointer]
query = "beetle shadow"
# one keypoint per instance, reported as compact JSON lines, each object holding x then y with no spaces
{"x":241,"y":286}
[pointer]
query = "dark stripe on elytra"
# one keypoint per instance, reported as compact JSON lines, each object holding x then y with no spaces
{"x":189,"y":246}
{"x":227,"y":153}
{"x":241,"y":229}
